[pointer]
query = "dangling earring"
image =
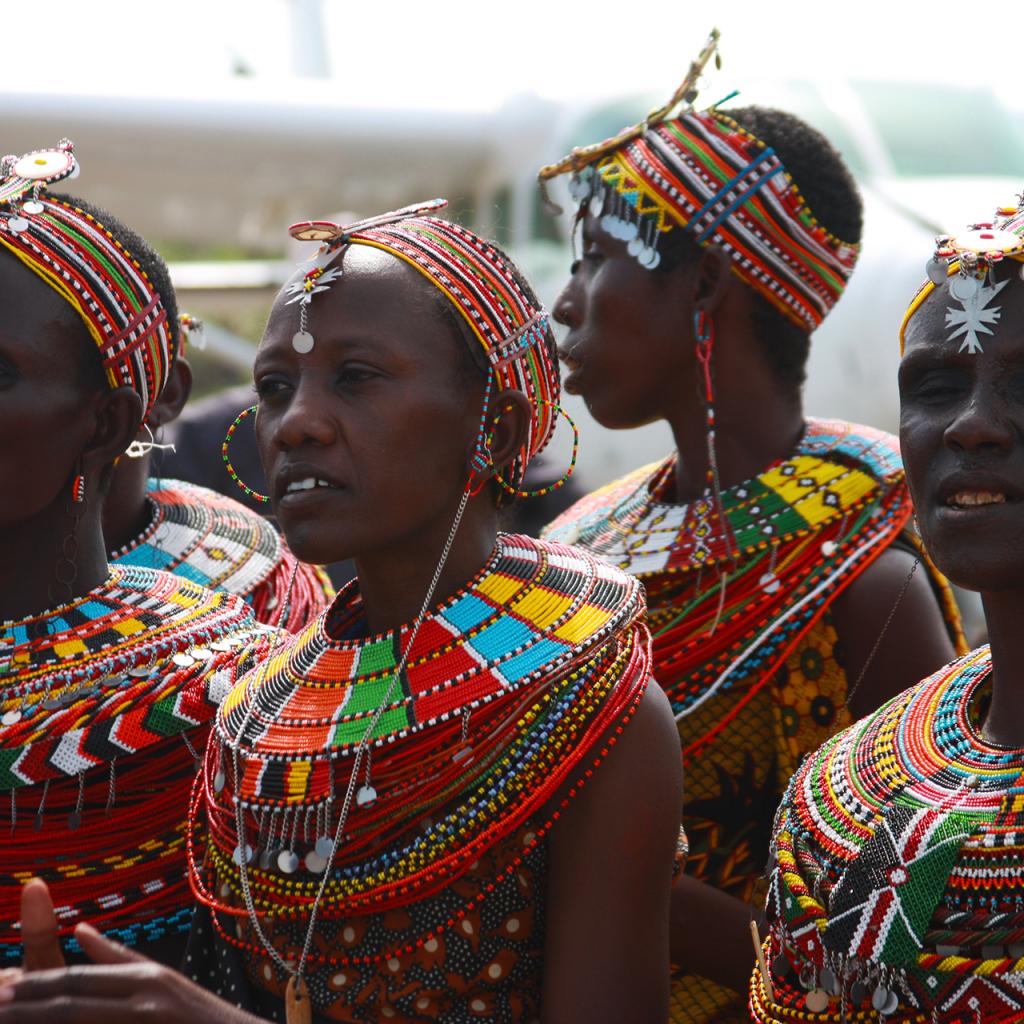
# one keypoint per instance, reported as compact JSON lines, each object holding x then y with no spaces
{"x":255,"y":495}
{"x":66,"y":570}
{"x":139,"y":448}
{"x":481,"y":460}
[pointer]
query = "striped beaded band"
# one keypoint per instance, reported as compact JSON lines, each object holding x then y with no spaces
{"x":80,"y":259}
{"x":972,"y":255}
{"x":481,"y":283}
{"x":705,"y":174}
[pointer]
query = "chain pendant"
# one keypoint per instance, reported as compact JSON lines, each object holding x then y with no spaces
{"x":297,"y":1007}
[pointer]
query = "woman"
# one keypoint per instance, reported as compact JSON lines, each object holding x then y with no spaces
{"x":899,"y":881}
{"x":771,"y":545}
{"x":105,"y":674}
{"x":426,"y":806}
{"x":199,"y":534}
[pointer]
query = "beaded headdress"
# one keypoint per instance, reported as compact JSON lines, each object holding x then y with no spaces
{"x":969,"y":260}
{"x":481,"y":283}
{"x":703,"y":173}
{"x":79,"y":258}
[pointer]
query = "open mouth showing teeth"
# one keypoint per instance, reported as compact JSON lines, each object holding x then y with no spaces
{"x":972,"y":499}
{"x":306,"y":485}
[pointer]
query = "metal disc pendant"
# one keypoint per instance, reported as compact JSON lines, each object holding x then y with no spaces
{"x":880,"y":998}
{"x":11,"y":717}
{"x":288,"y":861}
{"x":297,"y":1007}
{"x":33,"y":206}
{"x":183,"y":660}
{"x":769,"y":582}
{"x":366,"y":796}
{"x":17,"y":224}
{"x":828,"y":548}
{"x":324,"y":846}
{"x":315,"y":864}
{"x":219,"y":780}
{"x":827,"y":980}
{"x":816,"y":1000}
{"x":964,"y":288}
{"x":74,"y":820}
{"x":858,"y":993}
{"x":238,"y":854}
{"x":302,"y":342}
{"x":936,"y":270}
{"x":265,"y":858}
{"x":892,"y":1004}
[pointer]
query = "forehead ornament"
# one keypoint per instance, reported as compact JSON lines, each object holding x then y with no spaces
{"x":335,"y":239}
{"x":968,"y":260}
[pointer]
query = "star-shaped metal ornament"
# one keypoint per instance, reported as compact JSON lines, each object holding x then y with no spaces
{"x":976,"y":316}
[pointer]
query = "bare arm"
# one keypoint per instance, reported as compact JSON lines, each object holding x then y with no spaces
{"x":721,"y":951}
{"x":606,"y":954}
{"x":915,"y":644}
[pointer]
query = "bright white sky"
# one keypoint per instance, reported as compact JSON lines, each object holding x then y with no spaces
{"x":460,"y":54}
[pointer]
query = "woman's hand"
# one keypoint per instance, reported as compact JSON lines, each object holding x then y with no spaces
{"x":122,"y":987}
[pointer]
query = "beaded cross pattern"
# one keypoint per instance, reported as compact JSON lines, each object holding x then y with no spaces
{"x":898,"y":883}
{"x":507,"y":691}
{"x":729,"y":595}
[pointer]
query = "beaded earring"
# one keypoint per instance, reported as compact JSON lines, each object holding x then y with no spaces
{"x":539,"y":492}
{"x":255,"y":495}
{"x":78,"y":489}
{"x":481,"y":460}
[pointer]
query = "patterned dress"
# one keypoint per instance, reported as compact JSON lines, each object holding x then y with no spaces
{"x":510,"y":695}
{"x":744,"y":643}
{"x":218,"y":543}
{"x":105,"y":704}
{"x":898,"y":884}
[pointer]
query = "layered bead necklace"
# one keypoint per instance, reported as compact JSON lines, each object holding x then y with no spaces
{"x":506,"y":693}
{"x":219,"y":543}
{"x":730,"y":593}
{"x":899,"y":884}
{"x":132,"y":668}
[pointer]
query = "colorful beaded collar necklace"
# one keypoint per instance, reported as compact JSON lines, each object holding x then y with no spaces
{"x":126,"y":672}
{"x":899,"y":882}
{"x":730,"y":595}
{"x":506,"y":692}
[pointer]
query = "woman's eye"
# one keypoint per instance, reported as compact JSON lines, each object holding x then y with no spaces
{"x":269,"y":386}
{"x":357,"y":374}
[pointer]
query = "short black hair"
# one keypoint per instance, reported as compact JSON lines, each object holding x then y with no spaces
{"x":825,"y":182}
{"x":150,"y":262}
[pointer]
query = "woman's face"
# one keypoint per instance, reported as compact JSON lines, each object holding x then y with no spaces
{"x":629,"y":347}
{"x":46,"y":415}
{"x":379,"y":416}
{"x":962,"y":436}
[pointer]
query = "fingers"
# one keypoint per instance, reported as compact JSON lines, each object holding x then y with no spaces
{"x":39,"y":931}
{"x":80,"y":1010}
{"x":101,"y":950}
{"x":83,"y":981}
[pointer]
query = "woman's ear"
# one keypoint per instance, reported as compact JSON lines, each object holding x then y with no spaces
{"x":511,"y":416}
{"x":713,"y":278}
{"x":116,"y":420}
{"x":168,"y":406}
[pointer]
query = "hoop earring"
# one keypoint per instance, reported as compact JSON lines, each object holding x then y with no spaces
{"x":255,"y":495}
{"x":539,"y":492}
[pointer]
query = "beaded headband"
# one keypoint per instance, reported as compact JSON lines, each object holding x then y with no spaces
{"x":705,"y":174}
{"x":970,"y":259}
{"x":480,"y":282}
{"x":79,"y":258}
